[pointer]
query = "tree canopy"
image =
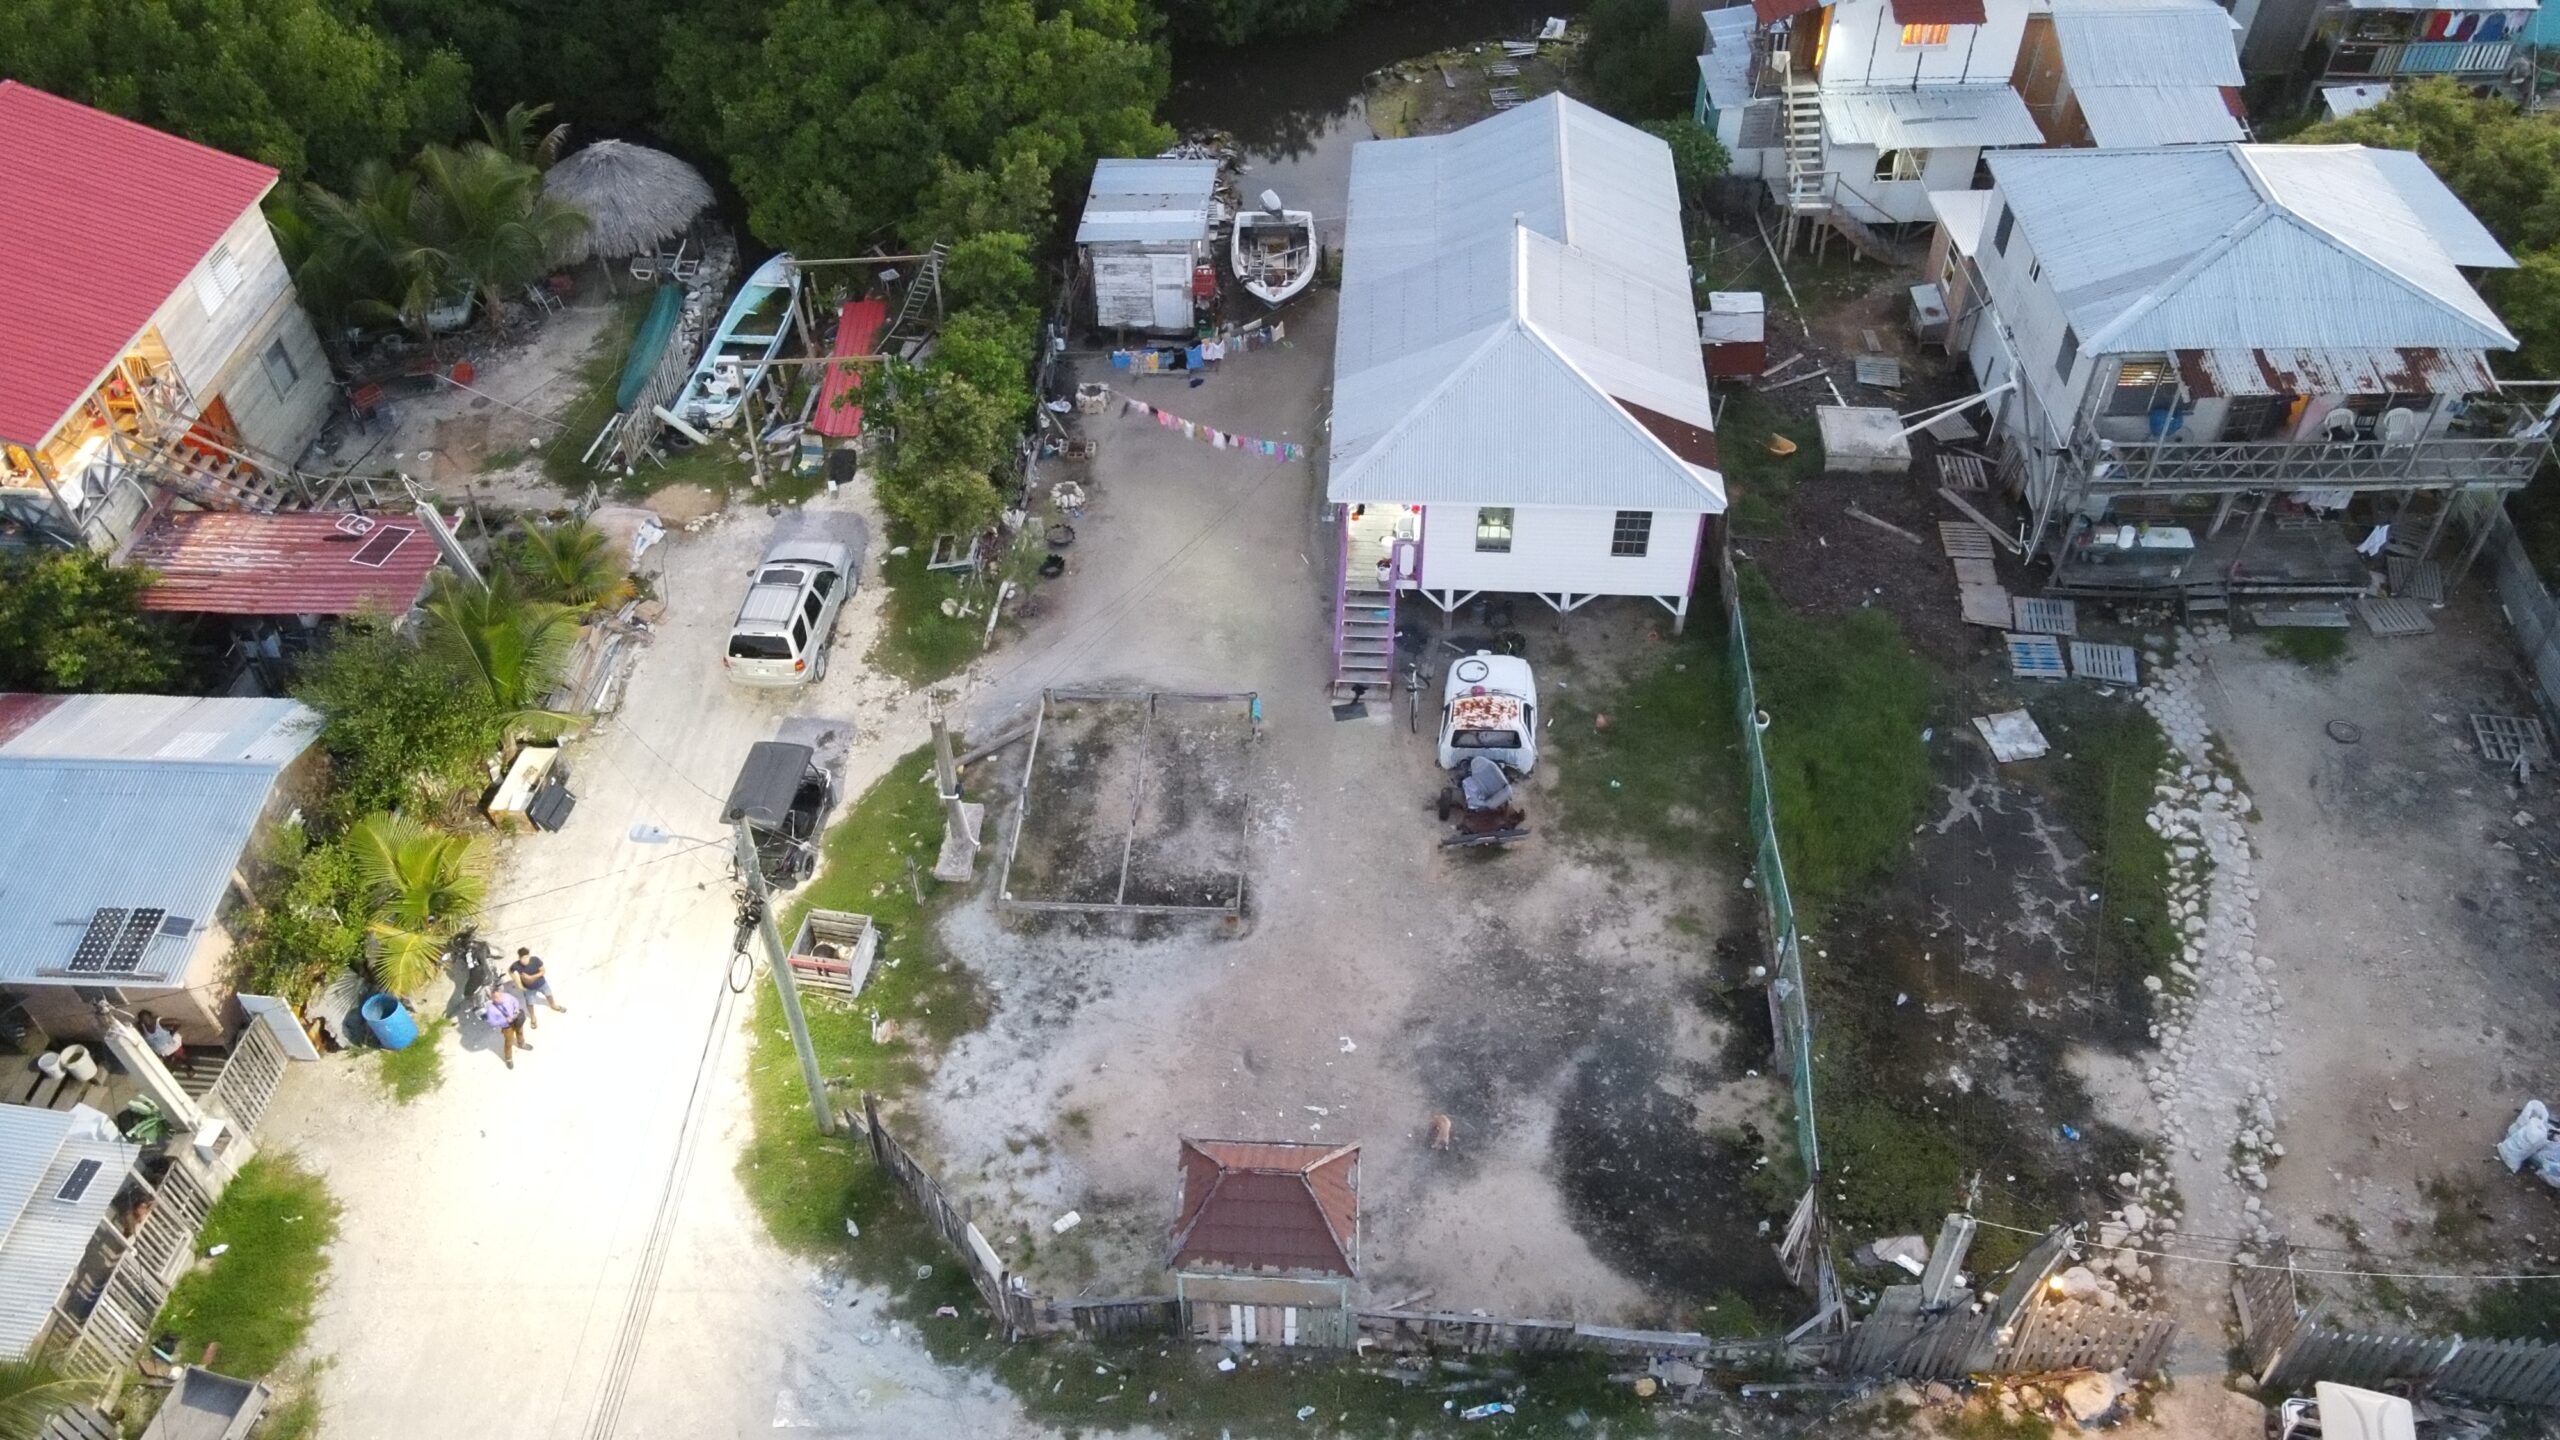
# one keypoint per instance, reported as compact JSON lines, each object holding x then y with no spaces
{"x":73,"y":621}
{"x":1640,"y":62}
{"x":303,"y":85}
{"x":849,"y":121}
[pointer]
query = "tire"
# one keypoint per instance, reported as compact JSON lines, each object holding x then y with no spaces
{"x":818,"y":668}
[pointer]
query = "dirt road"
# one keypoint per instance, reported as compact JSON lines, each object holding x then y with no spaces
{"x":561,"y":1250}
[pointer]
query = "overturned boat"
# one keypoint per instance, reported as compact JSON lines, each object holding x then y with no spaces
{"x":743,"y":348}
{"x":1275,"y":250}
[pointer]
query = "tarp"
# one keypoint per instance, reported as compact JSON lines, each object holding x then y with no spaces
{"x":857,"y":330}
{"x":649,"y":344}
{"x":766,"y":783}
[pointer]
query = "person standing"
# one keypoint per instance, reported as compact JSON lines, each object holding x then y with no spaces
{"x":506,"y":1015}
{"x":535,"y":983}
{"x":165,"y":1042}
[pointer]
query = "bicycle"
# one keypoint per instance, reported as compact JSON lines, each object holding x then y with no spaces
{"x":1413,"y":686}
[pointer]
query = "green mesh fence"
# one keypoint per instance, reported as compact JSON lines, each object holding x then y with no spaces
{"x":1769,"y":874}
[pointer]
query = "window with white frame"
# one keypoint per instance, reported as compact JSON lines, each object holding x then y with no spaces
{"x":281,"y":371}
{"x":1920,"y":36}
{"x":1493,"y":530}
{"x":1632,"y":534}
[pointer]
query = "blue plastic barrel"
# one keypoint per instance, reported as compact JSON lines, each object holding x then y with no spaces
{"x":390,"y":1021}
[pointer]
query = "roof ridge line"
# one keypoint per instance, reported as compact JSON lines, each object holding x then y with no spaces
{"x":1616,"y":406}
{"x":1341,"y":1247}
{"x":2197,"y":264}
{"x":1564,"y":171}
{"x":1492,"y":335}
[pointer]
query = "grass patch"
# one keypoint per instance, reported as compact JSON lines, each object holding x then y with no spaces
{"x":1669,"y":744}
{"x":918,"y":643}
{"x":2318,"y":647}
{"x":599,"y":375}
{"x":1758,"y":481}
{"x":255,"y":1299}
{"x":418,"y":1070}
{"x":802,"y":1183}
{"x":1847,"y":701}
{"x":2110,"y":757}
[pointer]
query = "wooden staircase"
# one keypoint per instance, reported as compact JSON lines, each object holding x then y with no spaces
{"x":1807,"y":192}
{"x":1364,"y":629}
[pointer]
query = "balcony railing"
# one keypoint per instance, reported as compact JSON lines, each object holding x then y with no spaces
{"x":2229,"y":465}
{"x":2383,"y":58}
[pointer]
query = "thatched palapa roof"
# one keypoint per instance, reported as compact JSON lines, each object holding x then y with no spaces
{"x":634,"y":197}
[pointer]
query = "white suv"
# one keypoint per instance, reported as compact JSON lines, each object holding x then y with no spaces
{"x":782,"y":630}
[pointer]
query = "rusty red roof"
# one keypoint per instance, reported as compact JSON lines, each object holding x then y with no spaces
{"x":104,"y":222}
{"x":1938,"y":12}
{"x":857,"y":329}
{"x":1269,"y":1205}
{"x":230,"y":562}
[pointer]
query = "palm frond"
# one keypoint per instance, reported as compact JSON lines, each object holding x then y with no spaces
{"x":31,"y":1392}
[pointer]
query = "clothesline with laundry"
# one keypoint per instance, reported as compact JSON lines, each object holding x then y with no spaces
{"x":1173,"y":359}
{"x":1193,"y":430}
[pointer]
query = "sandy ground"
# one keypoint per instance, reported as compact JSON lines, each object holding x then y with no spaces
{"x":561,"y":1249}
{"x":445,"y":438}
{"x":1375,"y":981}
{"x":2410,"y":916}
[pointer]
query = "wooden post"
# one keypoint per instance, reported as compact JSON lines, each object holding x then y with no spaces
{"x":2435,"y":531}
{"x":2491,"y":513}
{"x":2255,"y":516}
{"x":755,"y":431}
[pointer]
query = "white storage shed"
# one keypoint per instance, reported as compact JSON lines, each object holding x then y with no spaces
{"x":1149,"y":236}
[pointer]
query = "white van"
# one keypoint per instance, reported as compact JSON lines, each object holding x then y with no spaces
{"x":782,"y":630}
{"x":1489,"y":707}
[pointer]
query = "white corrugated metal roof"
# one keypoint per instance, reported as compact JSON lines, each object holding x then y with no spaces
{"x":46,"y":1237}
{"x":2132,"y":117}
{"x":1725,"y":65}
{"x":1149,"y":200}
{"x":2170,"y":43}
{"x":2346,"y":100}
{"x":1508,"y":291}
{"x":2249,"y":245}
{"x":217,"y":730}
{"x":1963,"y":213}
{"x":1928,"y":116}
{"x":79,"y":835}
{"x":2405,"y":369}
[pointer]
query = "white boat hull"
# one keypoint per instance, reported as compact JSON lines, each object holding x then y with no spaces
{"x":1275,"y":256}
{"x":751,"y":334}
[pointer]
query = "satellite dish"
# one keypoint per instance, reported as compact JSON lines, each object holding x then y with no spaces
{"x":1271,"y":201}
{"x":2399,"y":426}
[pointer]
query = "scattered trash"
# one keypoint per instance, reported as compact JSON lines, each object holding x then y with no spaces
{"x":1347,"y":1046}
{"x":896,"y":550}
{"x":946,"y":1312}
{"x":2012,"y":735}
{"x":1488,"y":1410}
{"x":851,"y":1230}
{"x":1226,"y":1363}
{"x":1065,"y":1223}
{"x":924,"y":1272}
{"x":217,"y":1250}
{"x":2527,"y":1138}
{"x":1901,"y":998}
{"x":2070,"y":1134}
{"x":1306,"y":1412}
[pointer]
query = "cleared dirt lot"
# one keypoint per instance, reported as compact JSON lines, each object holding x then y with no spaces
{"x":2409,"y":906}
{"x":1545,"y":999}
{"x":1134,"y":800}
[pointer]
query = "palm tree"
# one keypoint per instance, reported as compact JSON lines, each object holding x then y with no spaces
{"x":572,"y":563}
{"x":30,"y":1394}
{"x":498,"y":636}
{"x":367,"y":254}
{"x":513,"y":134}
{"x":491,"y":221}
{"x":422,"y":884}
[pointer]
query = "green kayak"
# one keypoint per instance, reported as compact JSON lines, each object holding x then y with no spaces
{"x":649,"y":344}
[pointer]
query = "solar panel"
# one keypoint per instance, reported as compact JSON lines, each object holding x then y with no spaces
{"x":98,"y":942}
{"x":385,"y":542}
{"x":140,"y":929}
{"x":77,"y":1184}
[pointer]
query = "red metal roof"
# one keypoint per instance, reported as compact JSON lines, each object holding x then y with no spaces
{"x":1766,"y":11}
{"x":230,"y":562}
{"x":1269,"y":1205}
{"x":1937,"y":12}
{"x":857,"y":330}
{"x":104,"y":220}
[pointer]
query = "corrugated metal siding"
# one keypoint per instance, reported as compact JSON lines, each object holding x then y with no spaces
{"x":49,"y":1236}
{"x":1476,"y":362}
{"x":78,"y":835}
{"x":2180,"y":248}
{"x":1149,"y":201}
{"x":1558,"y":549}
{"x":2164,"y":43}
{"x":1928,"y":118}
{"x":2235,"y":371}
{"x":167,"y":727}
{"x":2123,"y":117}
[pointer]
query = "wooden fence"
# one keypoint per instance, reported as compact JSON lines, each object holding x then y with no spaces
{"x":1015,"y":1310}
{"x":2291,"y":1350}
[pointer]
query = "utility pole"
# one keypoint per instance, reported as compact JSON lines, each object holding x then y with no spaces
{"x":960,"y":819}
{"x":784,"y":984}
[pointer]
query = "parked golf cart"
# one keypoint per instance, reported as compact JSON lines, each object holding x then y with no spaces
{"x":782,"y":795}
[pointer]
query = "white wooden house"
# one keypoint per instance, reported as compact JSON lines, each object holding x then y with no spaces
{"x":1520,"y":401}
{"x":2186,"y":341}
{"x":150,"y":339}
{"x":1149,"y":236}
{"x":1856,"y":111}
